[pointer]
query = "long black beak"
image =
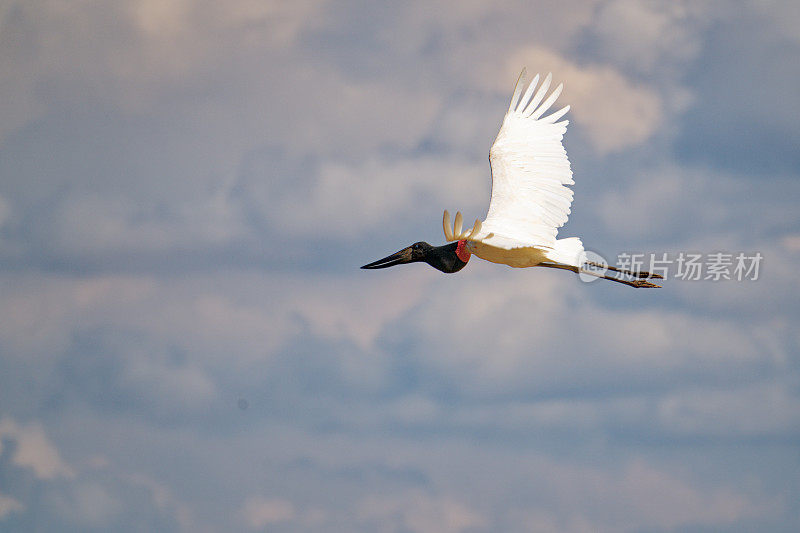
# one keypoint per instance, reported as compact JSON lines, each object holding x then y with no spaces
{"x":403,"y":256}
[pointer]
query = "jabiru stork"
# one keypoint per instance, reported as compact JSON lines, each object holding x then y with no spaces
{"x":530,"y":200}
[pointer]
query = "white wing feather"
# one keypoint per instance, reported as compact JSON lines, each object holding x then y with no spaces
{"x":530,"y":173}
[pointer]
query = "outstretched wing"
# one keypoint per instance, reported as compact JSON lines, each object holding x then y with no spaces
{"x":530,"y":172}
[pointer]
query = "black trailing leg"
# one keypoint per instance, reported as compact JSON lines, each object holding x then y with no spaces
{"x":638,"y":283}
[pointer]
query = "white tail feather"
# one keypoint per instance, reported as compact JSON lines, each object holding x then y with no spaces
{"x":568,"y":251}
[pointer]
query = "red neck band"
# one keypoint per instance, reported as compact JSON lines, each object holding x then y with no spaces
{"x":462,"y":252}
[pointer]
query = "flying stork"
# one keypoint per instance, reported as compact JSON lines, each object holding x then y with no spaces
{"x":530,"y":200}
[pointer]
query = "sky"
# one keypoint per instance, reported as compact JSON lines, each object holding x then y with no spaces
{"x":187,"y":190}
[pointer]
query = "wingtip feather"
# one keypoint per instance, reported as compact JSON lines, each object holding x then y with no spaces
{"x":526,"y":98}
{"x":517,"y":90}
{"x":476,"y":228}
{"x":553,"y":117}
{"x":534,"y":103}
{"x":549,"y":102}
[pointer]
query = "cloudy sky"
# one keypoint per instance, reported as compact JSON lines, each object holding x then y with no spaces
{"x":188,"y":187}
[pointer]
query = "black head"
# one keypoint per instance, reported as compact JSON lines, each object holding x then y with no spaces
{"x":442,"y":258}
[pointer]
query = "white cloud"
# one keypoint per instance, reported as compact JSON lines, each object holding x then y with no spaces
{"x":8,"y":506}
{"x":639,"y":495}
{"x":225,"y":322}
{"x":761,"y":409}
{"x":792,"y":243}
{"x":647,"y":207}
{"x":494,"y":341}
{"x":506,"y":487}
{"x":652,"y":37}
{"x":164,"y":498}
{"x":156,"y":380}
{"x":418,"y":512}
{"x":616,"y":112}
{"x":137,"y":49}
{"x":89,"y":504}
{"x":259,"y":512}
{"x":34,"y":449}
{"x":693,"y":206}
{"x":330,"y":314}
{"x":91,"y":225}
{"x":41,"y":315}
{"x":342,"y":199}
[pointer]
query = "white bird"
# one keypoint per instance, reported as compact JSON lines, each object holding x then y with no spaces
{"x":530,"y":199}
